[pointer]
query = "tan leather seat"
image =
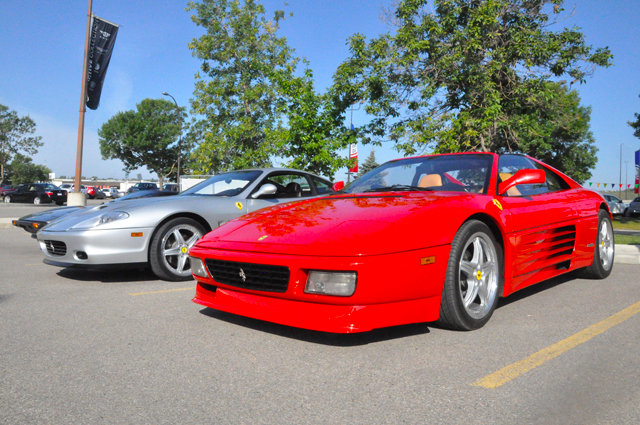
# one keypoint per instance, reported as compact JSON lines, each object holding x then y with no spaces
{"x":513,"y":191}
{"x":430,"y":180}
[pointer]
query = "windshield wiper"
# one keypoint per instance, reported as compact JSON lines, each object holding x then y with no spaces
{"x":397,"y":187}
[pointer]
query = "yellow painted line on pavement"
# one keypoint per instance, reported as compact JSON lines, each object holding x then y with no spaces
{"x":514,"y":370}
{"x":164,"y":291}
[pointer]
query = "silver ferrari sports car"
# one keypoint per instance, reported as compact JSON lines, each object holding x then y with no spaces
{"x":159,"y":231}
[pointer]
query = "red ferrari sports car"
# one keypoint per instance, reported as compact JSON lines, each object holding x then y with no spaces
{"x":421,"y":239}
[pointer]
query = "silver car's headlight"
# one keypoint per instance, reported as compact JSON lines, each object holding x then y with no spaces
{"x":101,"y":219}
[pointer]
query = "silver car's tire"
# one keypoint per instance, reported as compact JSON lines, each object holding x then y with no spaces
{"x":7,"y":199}
{"x":169,"y":251}
{"x":474,"y":278}
{"x":604,"y":251}
{"x":36,"y":200}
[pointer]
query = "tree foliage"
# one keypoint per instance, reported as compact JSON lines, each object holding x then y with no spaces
{"x":255,"y":107}
{"x":242,"y":58}
{"x":471,"y":75}
{"x":15,"y":136}
{"x":145,"y":137}
{"x":23,"y":170}
{"x":369,"y":164}
{"x":636,"y":125}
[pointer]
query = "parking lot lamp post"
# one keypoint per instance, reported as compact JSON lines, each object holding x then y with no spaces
{"x":620,"y":176}
{"x":626,"y":180}
{"x":179,"y":140}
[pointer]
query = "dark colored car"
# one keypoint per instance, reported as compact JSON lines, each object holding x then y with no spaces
{"x":37,"y":193}
{"x":34,"y":222}
{"x":634,"y":207}
{"x":142,"y":186}
{"x":171,"y":186}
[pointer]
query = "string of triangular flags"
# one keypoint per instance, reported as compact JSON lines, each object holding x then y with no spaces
{"x":613,"y":185}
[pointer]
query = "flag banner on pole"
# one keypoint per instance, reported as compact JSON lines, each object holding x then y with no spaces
{"x":590,"y":183}
{"x":620,"y":184}
{"x":103,"y":38}
{"x":598,"y":184}
{"x":353,"y":153}
{"x":637,"y":170}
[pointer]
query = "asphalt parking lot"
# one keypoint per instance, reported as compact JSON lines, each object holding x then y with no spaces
{"x":123,"y":347}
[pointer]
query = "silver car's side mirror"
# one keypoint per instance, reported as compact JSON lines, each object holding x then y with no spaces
{"x":265,"y":189}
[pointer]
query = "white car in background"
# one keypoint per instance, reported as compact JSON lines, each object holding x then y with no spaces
{"x":616,"y":206}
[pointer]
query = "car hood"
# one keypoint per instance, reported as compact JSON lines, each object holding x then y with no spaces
{"x":167,"y":203}
{"x":348,"y":225}
{"x":52,"y":214}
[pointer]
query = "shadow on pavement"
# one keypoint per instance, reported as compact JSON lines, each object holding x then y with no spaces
{"x":106,"y":276}
{"x":537,"y":288}
{"x":316,"y":337}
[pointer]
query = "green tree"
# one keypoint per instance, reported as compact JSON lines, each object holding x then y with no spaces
{"x":469,"y":75}
{"x":314,"y":129}
{"x":636,"y":125}
{"x":369,"y":164}
{"x":145,"y":137}
{"x":242,"y":56}
{"x":15,"y":136}
{"x":23,"y":170}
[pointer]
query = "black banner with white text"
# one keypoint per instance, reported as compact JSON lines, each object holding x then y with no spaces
{"x":101,"y":43}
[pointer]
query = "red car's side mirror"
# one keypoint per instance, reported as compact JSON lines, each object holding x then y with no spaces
{"x":522,"y":177}
{"x":338,"y":186}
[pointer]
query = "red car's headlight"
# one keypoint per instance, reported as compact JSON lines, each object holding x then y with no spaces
{"x":197,"y":267}
{"x":342,"y":284}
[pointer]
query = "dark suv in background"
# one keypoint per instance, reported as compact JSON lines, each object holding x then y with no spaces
{"x":142,"y":186}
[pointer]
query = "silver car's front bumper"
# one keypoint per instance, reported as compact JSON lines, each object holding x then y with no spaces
{"x":116,"y":246}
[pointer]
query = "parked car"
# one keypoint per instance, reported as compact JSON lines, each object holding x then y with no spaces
{"x":34,"y":222}
{"x":634,"y":207}
{"x":37,"y":193}
{"x":67,"y":187}
{"x":5,"y":188}
{"x":142,"y":186}
{"x":114,"y":193}
{"x":616,"y":206}
{"x":95,"y":193}
{"x":171,"y":186}
{"x":418,"y":239}
{"x":159,"y":230}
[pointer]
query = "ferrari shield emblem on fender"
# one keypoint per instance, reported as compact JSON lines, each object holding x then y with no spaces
{"x":262,"y":237}
{"x":497,"y":204}
{"x":239,"y":205}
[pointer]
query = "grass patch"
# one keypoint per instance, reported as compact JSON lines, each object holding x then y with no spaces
{"x":626,"y":240}
{"x":626,"y":223}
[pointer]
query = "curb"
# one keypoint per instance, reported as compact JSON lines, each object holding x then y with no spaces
{"x":5,"y":223}
{"x":627,"y":254}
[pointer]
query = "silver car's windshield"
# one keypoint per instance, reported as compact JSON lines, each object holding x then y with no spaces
{"x":227,"y":184}
{"x":458,"y":173}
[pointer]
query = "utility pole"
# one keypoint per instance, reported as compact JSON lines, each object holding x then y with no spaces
{"x":179,"y":140}
{"x":78,"y":198}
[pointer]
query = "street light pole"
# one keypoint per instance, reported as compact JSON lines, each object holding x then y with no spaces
{"x":626,"y":179}
{"x":179,"y":141}
{"x":620,"y":176}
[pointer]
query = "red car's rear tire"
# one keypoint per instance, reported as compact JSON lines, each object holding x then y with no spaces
{"x":604,"y":250}
{"x":474,"y":278}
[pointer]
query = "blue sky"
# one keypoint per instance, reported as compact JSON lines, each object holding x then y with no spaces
{"x":41,"y":49}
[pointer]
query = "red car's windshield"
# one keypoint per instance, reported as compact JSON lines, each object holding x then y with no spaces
{"x":459,"y":173}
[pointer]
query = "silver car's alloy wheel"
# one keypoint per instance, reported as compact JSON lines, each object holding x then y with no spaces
{"x":175,"y":248}
{"x":478,"y":278}
{"x":605,"y":245}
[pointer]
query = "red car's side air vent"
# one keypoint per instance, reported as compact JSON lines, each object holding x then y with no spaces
{"x":546,"y":248}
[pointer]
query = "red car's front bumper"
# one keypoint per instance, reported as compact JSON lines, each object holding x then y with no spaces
{"x":320,"y":317}
{"x":392,"y":289}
